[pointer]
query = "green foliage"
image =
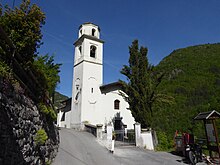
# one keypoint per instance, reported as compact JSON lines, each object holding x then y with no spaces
{"x":23,"y":26}
{"x":52,"y":114}
{"x":48,"y":162}
{"x":40,"y":137}
{"x":141,"y":88}
{"x":48,"y":111}
{"x":5,"y":71}
{"x":164,"y":142}
{"x":22,"y":39}
{"x":131,"y":135}
{"x":43,"y":108}
{"x":48,"y":72}
{"x":192,"y":78}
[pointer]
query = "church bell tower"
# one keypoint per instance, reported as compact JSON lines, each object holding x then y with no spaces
{"x":87,"y":75}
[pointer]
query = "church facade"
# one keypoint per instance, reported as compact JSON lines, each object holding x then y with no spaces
{"x":92,"y":102}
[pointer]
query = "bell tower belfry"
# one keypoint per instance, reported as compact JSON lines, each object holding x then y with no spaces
{"x":87,"y":75}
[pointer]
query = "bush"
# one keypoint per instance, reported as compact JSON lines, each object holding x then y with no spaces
{"x":41,"y":137}
{"x":48,"y":111}
{"x":5,"y":71}
{"x":43,"y":108}
{"x":52,"y":114}
{"x":164,"y":142}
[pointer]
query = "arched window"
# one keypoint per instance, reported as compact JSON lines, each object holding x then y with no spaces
{"x":93,"y":32}
{"x":92,"y":51}
{"x":116,"y":104}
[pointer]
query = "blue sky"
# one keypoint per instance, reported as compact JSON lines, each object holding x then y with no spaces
{"x":160,"y":25}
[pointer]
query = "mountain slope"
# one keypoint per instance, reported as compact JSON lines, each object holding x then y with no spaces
{"x":193,"y":79}
{"x":58,"y":98}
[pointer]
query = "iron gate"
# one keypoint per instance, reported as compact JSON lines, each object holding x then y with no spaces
{"x":124,"y":137}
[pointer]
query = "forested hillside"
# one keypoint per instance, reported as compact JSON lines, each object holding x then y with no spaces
{"x":58,"y":98}
{"x":193,"y":79}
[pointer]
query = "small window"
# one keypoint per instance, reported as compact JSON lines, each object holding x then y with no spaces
{"x":81,"y":31}
{"x":91,"y":90}
{"x":80,"y":49}
{"x":77,"y":87}
{"x":116,"y":104}
{"x":92,"y":51}
{"x":93,"y":32}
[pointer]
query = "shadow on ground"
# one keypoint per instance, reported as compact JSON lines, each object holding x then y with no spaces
{"x":182,"y":159}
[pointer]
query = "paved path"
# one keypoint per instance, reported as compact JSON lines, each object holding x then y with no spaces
{"x":81,"y":148}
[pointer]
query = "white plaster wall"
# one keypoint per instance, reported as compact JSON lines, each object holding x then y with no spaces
{"x":92,"y":76}
{"x":99,"y":51}
{"x":92,"y":106}
{"x":147,"y":140}
{"x":67,"y":119}
{"x":89,"y":71}
{"x":109,"y":112}
{"x":66,"y":122}
{"x":76,"y":104}
{"x":87,"y":29}
{"x":59,"y":115}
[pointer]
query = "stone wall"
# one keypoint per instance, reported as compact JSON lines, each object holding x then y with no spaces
{"x":20,"y":120}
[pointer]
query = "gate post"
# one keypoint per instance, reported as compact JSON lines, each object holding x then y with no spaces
{"x":99,"y":131}
{"x":137,"y":129}
{"x":109,"y":137}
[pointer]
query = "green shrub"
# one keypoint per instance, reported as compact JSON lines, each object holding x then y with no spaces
{"x":52,"y":114}
{"x":41,"y":137}
{"x":5,"y":71}
{"x":164,"y":142}
{"x":131,"y":135}
{"x":48,"y":111}
{"x":43,"y":108}
{"x":48,"y":162}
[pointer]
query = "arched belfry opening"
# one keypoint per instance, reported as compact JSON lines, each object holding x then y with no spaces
{"x":92,"y":51}
{"x":93,"y":32}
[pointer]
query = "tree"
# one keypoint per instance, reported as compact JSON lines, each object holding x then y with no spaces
{"x":141,"y":86}
{"x":46,"y":67}
{"x":23,"y":27}
{"x":22,"y":30}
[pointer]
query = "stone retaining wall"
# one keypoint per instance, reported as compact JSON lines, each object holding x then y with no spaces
{"x":20,"y":120}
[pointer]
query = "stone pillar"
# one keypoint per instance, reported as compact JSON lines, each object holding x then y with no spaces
{"x":109,"y":136}
{"x":99,"y":131}
{"x":137,"y":129}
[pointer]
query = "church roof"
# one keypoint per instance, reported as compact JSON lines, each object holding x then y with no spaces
{"x":86,"y":23}
{"x":66,"y":105}
{"x":111,"y":86}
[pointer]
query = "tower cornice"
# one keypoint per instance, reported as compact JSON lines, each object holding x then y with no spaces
{"x":90,"y":23}
{"x":80,"y":40}
{"x":92,"y":62}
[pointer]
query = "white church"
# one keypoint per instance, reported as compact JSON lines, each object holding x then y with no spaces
{"x":92,"y":102}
